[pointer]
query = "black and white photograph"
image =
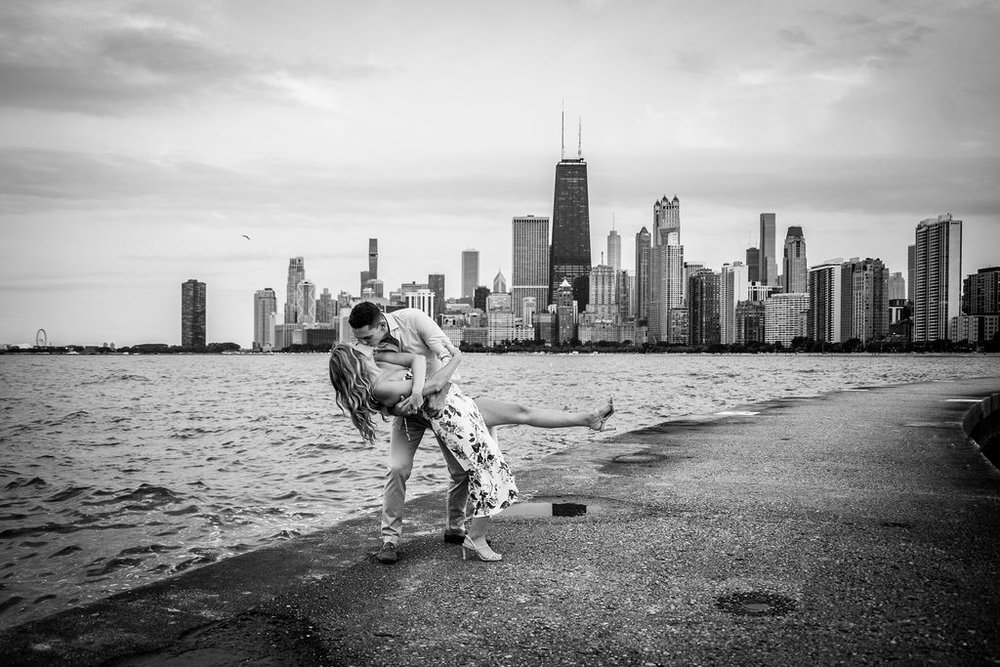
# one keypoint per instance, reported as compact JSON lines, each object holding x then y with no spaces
{"x":569,"y":332}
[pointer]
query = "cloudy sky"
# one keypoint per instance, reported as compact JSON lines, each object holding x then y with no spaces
{"x":139,"y":141}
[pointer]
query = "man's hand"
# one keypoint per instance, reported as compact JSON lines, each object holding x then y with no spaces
{"x":410,"y":405}
{"x":437,"y":401}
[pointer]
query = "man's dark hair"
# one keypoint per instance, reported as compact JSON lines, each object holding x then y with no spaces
{"x":364,"y":314}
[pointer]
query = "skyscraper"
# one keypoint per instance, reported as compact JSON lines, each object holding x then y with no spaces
{"x":703,"y":308}
{"x":666,"y":271}
{"x":566,"y":311}
{"x":733,"y":288}
{"x":897,"y":286}
{"x":795,"y":270}
{"x":265,"y":308}
{"x":768,"y":265}
{"x":499,"y":283}
{"x":192,"y":313}
{"x":604,"y":294}
{"x":614,"y":250}
{"x":435,"y":283}
{"x":326,"y":307}
{"x":911,"y":271}
{"x":786,"y":317}
{"x":666,"y":294}
{"x":753,"y":265}
{"x":938,"y":279}
{"x":826,"y":295}
{"x":981,"y":295}
{"x":305,"y":302}
{"x":869,"y":299}
{"x":372,"y":273}
{"x":470,"y":273}
{"x":643,"y":245}
{"x":296,"y":274}
{"x":529,"y":276}
{"x":569,"y":256}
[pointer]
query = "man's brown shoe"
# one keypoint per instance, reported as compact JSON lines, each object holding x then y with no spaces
{"x":387,"y":555}
{"x":454,"y":536}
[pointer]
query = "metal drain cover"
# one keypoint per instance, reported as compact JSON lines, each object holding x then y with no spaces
{"x":755,"y":603}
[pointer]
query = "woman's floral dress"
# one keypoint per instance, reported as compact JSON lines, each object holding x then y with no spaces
{"x":460,"y":426}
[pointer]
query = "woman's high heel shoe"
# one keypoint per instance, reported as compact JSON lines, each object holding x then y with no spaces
{"x":484,"y":553}
{"x":599,"y":424}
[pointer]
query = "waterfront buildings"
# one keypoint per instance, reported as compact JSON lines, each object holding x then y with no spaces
{"x":529,"y":276}
{"x":193,"y":313}
{"x":795,"y":270}
{"x":265,"y":309}
{"x":937,"y":277}
{"x":470,"y":273}
{"x":296,"y":274}
{"x":767,"y":271}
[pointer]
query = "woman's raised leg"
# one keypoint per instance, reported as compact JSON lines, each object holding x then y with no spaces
{"x":497,"y":413}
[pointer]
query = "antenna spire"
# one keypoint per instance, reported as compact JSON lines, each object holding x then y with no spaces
{"x":579,"y":147}
{"x":562,"y":132}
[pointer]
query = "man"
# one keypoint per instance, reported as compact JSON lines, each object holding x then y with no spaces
{"x":410,"y":330}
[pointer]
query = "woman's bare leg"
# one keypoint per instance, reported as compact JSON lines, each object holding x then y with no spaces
{"x":496,"y":413}
{"x":475,"y":539}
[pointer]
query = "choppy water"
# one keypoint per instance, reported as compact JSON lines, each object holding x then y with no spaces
{"x":120,"y":470}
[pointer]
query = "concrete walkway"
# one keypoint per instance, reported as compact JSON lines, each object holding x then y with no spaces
{"x":853,"y":528}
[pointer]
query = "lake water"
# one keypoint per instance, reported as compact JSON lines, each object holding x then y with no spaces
{"x":121,"y":470}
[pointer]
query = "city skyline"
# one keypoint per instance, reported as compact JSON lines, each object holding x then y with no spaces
{"x":143,"y":145}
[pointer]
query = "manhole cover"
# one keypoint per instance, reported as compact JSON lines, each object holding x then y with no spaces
{"x":755,"y":603}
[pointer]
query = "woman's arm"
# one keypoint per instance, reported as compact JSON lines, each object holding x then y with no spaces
{"x":442,"y":377}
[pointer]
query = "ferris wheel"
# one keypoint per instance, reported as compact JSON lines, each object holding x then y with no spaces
{"x":41,"y":339}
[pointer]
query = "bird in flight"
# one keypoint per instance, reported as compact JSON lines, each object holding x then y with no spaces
{"x":246,"y":237}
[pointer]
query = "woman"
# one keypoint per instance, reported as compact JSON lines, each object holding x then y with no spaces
{"x":369,"y":381}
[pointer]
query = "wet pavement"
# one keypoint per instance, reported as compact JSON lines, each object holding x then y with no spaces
{"x":857,"y":527}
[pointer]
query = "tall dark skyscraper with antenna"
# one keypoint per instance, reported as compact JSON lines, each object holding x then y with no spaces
{"x":569,"y":254}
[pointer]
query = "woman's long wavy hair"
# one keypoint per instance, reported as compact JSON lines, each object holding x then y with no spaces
{"x":354,"y":385}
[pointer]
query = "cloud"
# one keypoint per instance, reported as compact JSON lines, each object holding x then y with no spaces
{"x":95,"y":60}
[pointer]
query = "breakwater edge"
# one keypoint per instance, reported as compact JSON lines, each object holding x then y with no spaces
{"x":118,"y":471}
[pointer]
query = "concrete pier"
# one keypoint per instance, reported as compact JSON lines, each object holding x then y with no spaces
{"x":858,"y":527}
